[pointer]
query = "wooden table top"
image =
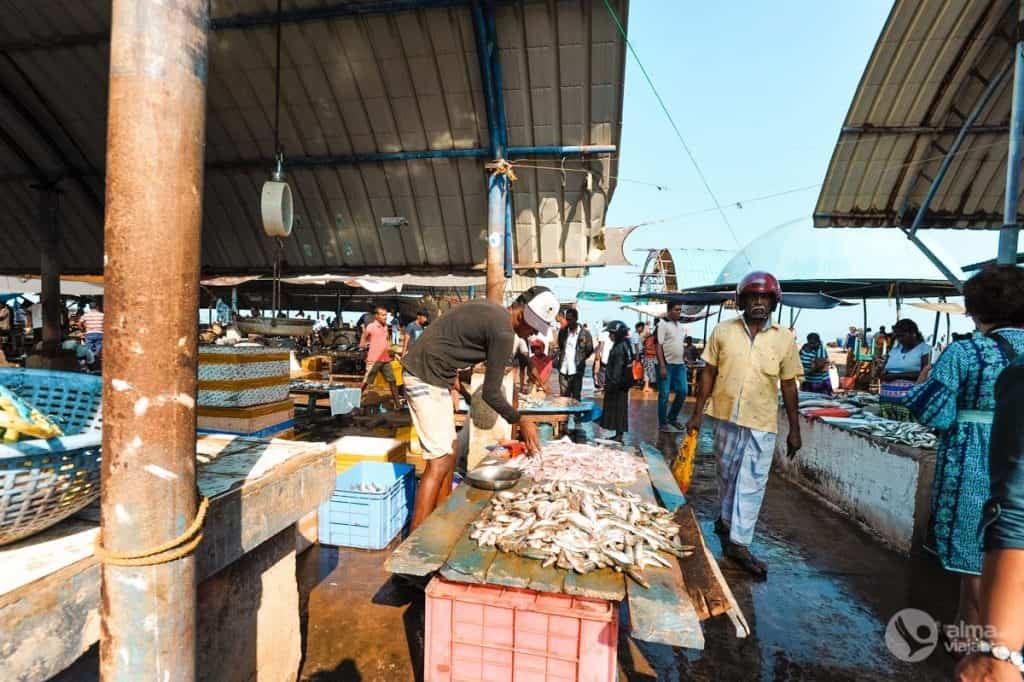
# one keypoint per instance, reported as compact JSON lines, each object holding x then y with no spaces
{"x":664,"y":613}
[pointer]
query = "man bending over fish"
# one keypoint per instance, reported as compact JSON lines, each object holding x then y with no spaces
{"x":748,"y":359}
{"x":473,"y":332}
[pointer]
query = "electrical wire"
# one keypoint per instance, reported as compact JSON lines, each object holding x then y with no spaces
{"x":672,"y":121}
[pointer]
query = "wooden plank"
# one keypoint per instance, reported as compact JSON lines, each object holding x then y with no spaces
{"x":603,"y":584}
{"x":550,"y":579}
{"x":661,"y":476}
{"x":468,"y":562}
{"x":706,"y":593}
{"x":662,"y":613}
{"x":428,"y":547}
{"x":733,"y":608}
{"x":511,"y":570}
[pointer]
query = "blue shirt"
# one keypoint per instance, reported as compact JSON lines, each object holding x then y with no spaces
{"x":413,"y":331}
{"x":807,"y":358}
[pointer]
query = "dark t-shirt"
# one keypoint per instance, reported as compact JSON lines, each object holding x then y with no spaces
{"x":478,"y":331}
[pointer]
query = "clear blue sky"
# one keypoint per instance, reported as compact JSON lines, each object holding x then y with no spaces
{"x":759,"y":91}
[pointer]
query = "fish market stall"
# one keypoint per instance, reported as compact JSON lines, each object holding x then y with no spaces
{"x":877,"y":471}
{"x":258,"y":491}
{"x":610,"y":525}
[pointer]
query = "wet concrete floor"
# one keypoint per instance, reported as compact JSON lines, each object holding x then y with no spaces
{"x":821,"y":615}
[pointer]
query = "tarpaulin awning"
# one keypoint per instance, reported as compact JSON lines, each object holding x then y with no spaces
{"x":658,"y":310}
{"x":813,"y":301}
{"x":33,"y":285}
{"x":951,"y":308}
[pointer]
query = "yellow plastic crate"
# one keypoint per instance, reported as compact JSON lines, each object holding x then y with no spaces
{"x":350,"y":450}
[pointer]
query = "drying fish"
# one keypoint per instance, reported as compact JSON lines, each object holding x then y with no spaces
{"x":580,"y":529}
{"x":563,"y":460}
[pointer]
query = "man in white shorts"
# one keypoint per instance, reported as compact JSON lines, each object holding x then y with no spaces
{"x":473,"y":332}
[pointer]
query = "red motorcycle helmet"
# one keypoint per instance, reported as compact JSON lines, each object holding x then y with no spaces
{"x":760,"y":283}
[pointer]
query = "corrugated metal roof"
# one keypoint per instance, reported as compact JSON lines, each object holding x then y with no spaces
{"x":359,"y":83}
{"x":932,"y":62}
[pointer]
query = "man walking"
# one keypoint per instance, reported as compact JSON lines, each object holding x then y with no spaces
{"x":473,"y":332}
{"x":575,"y":345}
{"x":671,"y":369}
{"x":378,"y":355}
{"x":414,"y":329}
{"x":747,"y":358}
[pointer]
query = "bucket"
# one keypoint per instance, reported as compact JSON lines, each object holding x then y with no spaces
{"x":545,"y":432}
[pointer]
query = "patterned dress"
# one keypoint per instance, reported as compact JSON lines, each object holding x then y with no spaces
{"x":962,"y":379}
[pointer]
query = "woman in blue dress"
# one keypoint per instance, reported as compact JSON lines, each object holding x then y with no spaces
{"x":957,"y":398}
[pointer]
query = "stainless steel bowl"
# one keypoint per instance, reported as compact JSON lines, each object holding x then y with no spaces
{"x":494,"y":477}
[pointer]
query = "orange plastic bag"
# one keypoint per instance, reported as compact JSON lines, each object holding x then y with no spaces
{"x":682,"y":468}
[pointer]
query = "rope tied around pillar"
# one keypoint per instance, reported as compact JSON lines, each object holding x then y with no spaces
{"x":502,"y":167}
{"x":174,"y":549}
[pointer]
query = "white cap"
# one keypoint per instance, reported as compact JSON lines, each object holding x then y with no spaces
{"x":540,"y":311}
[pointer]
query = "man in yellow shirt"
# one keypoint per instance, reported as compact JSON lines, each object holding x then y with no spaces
{"x":747,"y":360}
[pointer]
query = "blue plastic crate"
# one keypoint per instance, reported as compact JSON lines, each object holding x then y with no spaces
{"x":368,"y":520}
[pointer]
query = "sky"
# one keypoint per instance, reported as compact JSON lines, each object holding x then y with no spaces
{"x":759,"y":92}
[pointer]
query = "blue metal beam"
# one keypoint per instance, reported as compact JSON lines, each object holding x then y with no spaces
{"x":1009,"y":234}
{"x":329,"y":160}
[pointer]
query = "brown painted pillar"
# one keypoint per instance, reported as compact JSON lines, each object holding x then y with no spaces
{"x":154,"y":187}
{"x":49,"y":268}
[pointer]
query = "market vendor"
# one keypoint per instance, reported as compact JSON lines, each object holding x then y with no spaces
{"x":814,"y":358}
{"x":907,"y":361}
{"x":477,"y":331}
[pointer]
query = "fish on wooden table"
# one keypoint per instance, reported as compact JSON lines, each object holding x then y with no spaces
{"x":581,"y":529}
{"x":563,"y":460}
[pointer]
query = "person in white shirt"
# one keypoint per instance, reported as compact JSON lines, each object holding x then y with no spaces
{"x":671,"y":369}
{"x":575,"y":345}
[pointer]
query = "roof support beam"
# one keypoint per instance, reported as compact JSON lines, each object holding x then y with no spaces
{"x":33,"y":121}
{"x":995,"y":129}
{"x":1009,"y":235}
{"x":245,"y":21}
{"x":335,"y":160}
{"x":499,"y":217}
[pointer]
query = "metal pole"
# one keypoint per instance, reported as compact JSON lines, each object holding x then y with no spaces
{"x":1008,"y":235}
{"x":864,"y":301}
{"x":707,"y":314}
{"x":935,"y":329}
{"x":155,"y":134}
{"x":50,"y":270}
{"x":496,"y":196}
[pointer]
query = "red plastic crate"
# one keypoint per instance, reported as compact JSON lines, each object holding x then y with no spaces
{"x":483,"y":633}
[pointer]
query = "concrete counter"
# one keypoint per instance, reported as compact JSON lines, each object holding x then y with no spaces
{"x":884,"y":487}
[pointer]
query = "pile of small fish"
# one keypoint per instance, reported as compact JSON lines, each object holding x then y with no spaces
{"x":563,"y":460}
{"x":907,"y":433}
{"x":577,"y":528}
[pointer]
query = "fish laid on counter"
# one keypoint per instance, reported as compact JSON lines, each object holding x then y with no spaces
{"x":563,"y":460}
{"x":580,"y":529}
{"x":906,"y":433}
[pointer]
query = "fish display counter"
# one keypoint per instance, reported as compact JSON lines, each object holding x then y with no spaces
{"x":876,"y":471}
{"x":594,"y":522}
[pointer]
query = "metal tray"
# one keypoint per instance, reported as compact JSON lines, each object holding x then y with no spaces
{"x":494,"y":477}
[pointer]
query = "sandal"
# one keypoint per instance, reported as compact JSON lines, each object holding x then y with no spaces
{"x":751,"y":564}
